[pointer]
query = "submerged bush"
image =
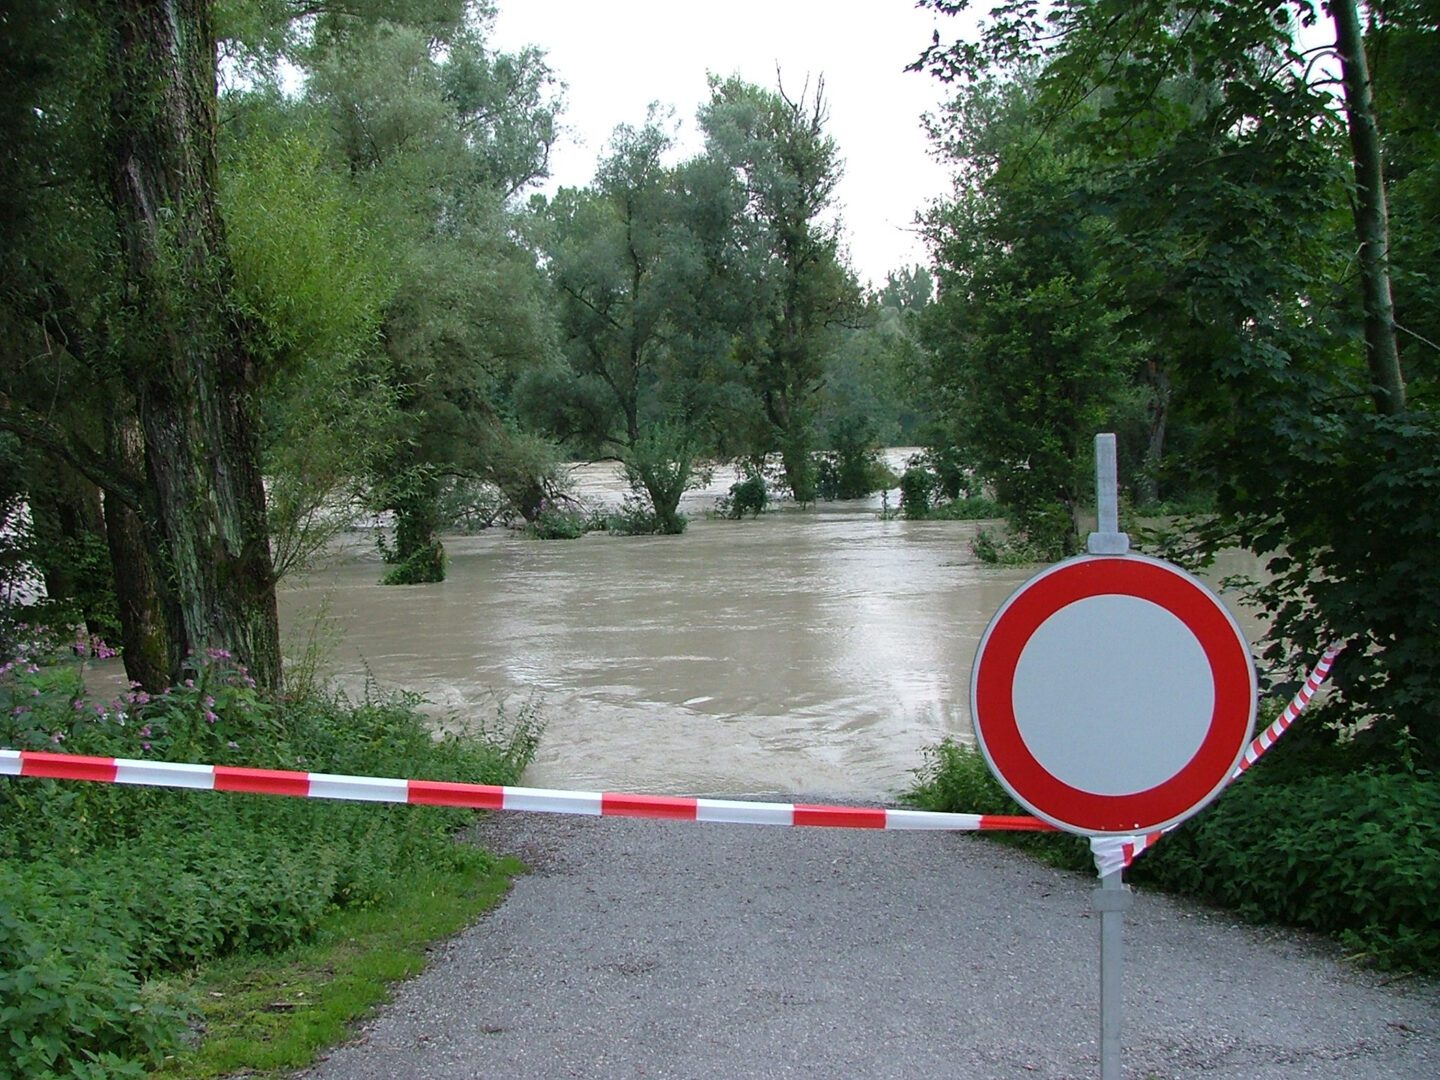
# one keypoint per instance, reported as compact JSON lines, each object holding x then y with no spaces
{"x":105,"y":889}
{"x":748,"y":495}
{"x":558,"y":522}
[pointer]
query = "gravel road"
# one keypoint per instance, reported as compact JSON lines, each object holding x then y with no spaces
{"x":657,"y":949}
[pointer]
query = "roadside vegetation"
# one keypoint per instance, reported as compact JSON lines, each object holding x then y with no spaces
{"x":117,"y":902}
{"x":1308,"y":838}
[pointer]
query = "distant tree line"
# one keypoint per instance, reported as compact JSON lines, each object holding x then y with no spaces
{"x":236,"y":313}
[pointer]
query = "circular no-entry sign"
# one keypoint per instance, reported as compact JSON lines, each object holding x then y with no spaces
{"x":1113,"y":695}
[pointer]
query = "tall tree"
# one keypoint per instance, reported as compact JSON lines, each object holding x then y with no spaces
{"x":625,"y":266}
{"x":788,"y":166}
{"x":439,"y":144}
{"x":185,"y":346}
{"x":1028,"y":358}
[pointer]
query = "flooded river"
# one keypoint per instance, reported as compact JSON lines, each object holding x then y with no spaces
{"x":810,"y":650}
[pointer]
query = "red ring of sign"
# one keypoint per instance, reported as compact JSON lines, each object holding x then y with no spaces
{"x":1174,"y":799}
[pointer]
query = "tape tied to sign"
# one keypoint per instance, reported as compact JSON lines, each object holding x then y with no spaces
{"x":1115,"y":853}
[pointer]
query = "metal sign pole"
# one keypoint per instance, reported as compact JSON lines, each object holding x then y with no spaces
{"x":1111,"y":900}
{"x":1112,"y":897}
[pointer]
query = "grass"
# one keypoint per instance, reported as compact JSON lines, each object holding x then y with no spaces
{"x":269,"y":1015}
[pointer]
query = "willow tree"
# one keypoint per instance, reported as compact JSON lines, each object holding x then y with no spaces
{"x":787,"y":166}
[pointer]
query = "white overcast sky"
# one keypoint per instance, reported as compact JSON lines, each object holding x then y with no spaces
{"x":617,"y":56}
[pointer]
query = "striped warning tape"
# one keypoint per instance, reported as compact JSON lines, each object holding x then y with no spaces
{"x":489,"y":797}
{"x":1116,"y":852}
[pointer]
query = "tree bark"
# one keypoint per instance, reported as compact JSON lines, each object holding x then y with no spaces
{"x":148,"y":624}
{"x":185,"y":346}
{"x":1372,"y":215}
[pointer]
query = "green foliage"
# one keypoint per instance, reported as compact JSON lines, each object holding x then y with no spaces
{"x":748,"y":495}
{"x":424,"y":565}
{"x":1189,"y":201}
{"x":794,"y":283}
{"x":636,"y":517}
{"x":558,"y":522}
{"x":70,"y":1002}
{"x":1302,"y":839}
{"x":853,"y":467}
{"x":967,"y":508}
{"x":954,"y":778}
{"x":104,"y":889}
{"x":917,"y":490}
{"x":1352,"y":853}
{"x":1029,"y":356}
{"x":1007,"y":549}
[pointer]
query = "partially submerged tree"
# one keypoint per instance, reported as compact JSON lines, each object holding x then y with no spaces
{"x":625,"y":267}
{"x":787,"y":167}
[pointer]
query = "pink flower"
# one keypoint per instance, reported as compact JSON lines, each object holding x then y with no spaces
{"x":210,"y":717}
{"x":144,"y":732}
{"x":144,"y":746}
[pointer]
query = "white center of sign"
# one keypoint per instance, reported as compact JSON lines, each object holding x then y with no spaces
{"x":1089,"y":680}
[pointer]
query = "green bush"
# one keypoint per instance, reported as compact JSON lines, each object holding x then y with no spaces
{"x":1007,"y":550}
{"x":748,"y":495}
{"x":967,"y":508}
{"x":931,"y":489}
{"x":917,"y":490}
{"x":954,"y":778}
{"x":1353,"y":854}
{"x":556,"y":522}
{"x":421,"y":567}
{"x":70,"y":1001}
{"x":106,"y":889}
{"x":637,"y":518}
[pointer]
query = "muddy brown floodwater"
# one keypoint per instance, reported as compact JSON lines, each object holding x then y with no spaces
{"x":811,"y":650}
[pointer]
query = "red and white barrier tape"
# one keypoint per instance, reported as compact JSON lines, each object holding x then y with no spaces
{"x":1117,"y":852}
{"x":1111,"y":852}
{"x":488,"y":797}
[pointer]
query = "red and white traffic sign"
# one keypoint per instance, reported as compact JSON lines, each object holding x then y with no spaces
{"x":1113,"y":695}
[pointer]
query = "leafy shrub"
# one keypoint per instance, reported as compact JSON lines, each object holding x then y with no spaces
{"x":636,"y":518}
{"x":1007,"y":550}
{"x":917,"y":488}
{"x":967,"y":508}
{"x":851,"y":472}
{"x":954,"y":778}
{"x":424,"y":565}
{"x":748,"y":495}
{"x":935,"y":488}
{"x":106,"y":888}
{"x":1355,"y":854}
{"x":556,"y":522}
{"x":70,"y":1003}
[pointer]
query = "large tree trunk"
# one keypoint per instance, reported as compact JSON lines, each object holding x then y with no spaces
{"x":194,"y":377}
{"x":1372,"y":216}
{"x":147,"y":623}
